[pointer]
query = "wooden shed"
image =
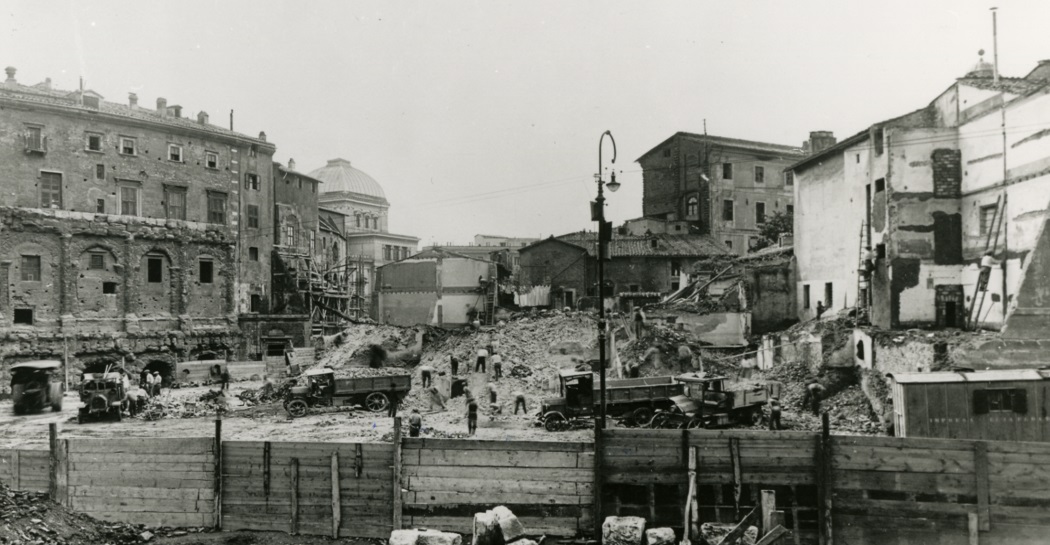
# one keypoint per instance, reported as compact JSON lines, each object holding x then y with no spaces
{"x":1007,"y":405}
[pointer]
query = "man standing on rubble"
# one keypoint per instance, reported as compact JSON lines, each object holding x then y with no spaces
{"x":472,"y":416}
{"x":814,"y":394}
{"x":426,"y":371}
{"x":639,"y":322}
{"x":492,"y":392}
{"x":415,"y":423}
{"x":436,"y":399}
{"x":497,"y":366}
{"x":453,"y":363}
{"x":519,"y":401}
{"x":774,"y":414}
{"x":685,"y":357}
{"x":479,"y":367}
{"x":156,"y":382}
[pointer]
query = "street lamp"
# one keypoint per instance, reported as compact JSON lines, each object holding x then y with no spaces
{"x":604,"y":236}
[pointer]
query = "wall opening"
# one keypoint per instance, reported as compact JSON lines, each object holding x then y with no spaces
{"x":24,"y":316}
{"x":109,"y":288}
{"x":950,"y":306}
{"x":165,"y":370}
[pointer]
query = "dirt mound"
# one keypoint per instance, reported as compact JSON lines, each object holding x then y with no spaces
{"x":351,"y":347}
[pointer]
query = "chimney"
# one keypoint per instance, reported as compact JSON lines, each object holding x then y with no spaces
{"x":133,"y":100}
{"x":10,"y":74}
{"x":177,"y":110}
{"x":162,"y":106}
{"x":262,"y":136}
{"x":202,"y":118}
{"x":47,"y":84}
{"x":291,"y":164}
{"x":820,"y":141}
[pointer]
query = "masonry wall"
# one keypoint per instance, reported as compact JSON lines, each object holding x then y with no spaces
{"x":771,"y":296}
{"x":558,"y":265}
{"x":651,"y":274}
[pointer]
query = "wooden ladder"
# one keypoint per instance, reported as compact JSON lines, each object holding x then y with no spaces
{"x":989,"y":245}
{"x":861,"y":306}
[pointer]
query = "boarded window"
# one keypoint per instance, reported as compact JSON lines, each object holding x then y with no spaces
{"x":100,"y":172}
{"x":30,"y":268}
{"x":97,"y":261}
{"x":129,"y":201}
{"x":947,"y":239}
{"x":94,"y":142}
{"x":253,"y":216}
{"x":789,"y":178}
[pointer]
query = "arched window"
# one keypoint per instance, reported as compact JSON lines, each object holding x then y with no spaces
{"x":692,"y":207}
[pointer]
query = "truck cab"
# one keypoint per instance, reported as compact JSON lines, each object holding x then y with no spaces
{"x":35,"y":386}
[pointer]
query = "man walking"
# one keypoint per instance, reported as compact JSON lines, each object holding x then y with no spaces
{"x":224,"y":379}
{"x":492,"y":392}
{"x":479,"y":367}
{"x":415,"y":423}
{"x":497,"y":366}
{"x":774,"y":414}
{"x":454,"y":364}
{"x":426,"y":371}
{"x":639,"y":322}
{"x":472,"y":416}
{"x":519,"y":401}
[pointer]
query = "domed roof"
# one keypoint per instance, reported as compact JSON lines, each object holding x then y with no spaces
{"x":338,"y":176}
{"x":982,"y":69}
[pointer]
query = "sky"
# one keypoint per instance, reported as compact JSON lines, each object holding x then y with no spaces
{"x":485,"y":117}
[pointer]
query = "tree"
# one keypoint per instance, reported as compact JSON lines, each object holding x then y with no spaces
{"x":775,"y":225}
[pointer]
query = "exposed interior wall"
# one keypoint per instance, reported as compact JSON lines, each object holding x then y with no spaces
{"x":718,"y":329}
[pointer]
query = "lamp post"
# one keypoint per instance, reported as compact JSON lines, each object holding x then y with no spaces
{"x":604,"y":236}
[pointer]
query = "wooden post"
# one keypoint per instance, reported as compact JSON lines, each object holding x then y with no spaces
{"x":768,"y":504}
{"x":794,"y":515}
{"x":16,"y":470}
{"x":598,"y":514}
{"x":972,"y":524}
{"x":359,"y":460}
{"x":980,"y":466}
{"x":396,"y":519}
{"x":293,"y":465}
{"x":693,"y":503}
{"x":734,"y":452}
{"x":826,"y":484}
{"x":337,"y":513}
{"x":777,"y":518}
{"x":218,"y":473}
{"x":52,"y":461}
{"x":738,"y":531}
{"x":690,"y":509}
{"x":266,"y":471}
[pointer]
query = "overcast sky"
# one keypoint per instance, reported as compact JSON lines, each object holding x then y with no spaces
{"x":485,"y":117}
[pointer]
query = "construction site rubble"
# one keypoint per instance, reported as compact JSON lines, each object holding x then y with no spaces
{"x":623,"y":530}
{"x":659,"y":536}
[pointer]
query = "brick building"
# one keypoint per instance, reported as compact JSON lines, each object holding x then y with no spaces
{"x":124,"y":229}
{"x":725,"y":187}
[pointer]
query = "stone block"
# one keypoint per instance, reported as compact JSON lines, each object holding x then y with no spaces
{"x":509,"y":525}
{"x":486,"y":529}
{"x":659,"y":536}
{"x":435,"y":537}
{"x":404,"y":537}
{"x":623,"y":530}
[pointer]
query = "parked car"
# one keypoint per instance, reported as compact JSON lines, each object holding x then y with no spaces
{"x":103,"y":395}
{"x":35,"y":386}
{"x":323,"y":388}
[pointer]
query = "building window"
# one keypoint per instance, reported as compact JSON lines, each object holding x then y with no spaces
{"x":50,"y":190}
{"x":634,"y":288}
{"x":313,"y":187}
{"x":357,"y":218}
{"x":207,"y":271}
{"x":692,"y":207}
{"x":667,"y":152}
{"x":386,"y":252}
{"x":252,"y":152}
{"x":154,"y":270}
{"x":727,"y":210}
{"x":729,"y":244}
{"x":24,"y":316}
{"x":880,"y":185}
{"x":175,"y":203}
{"x":791,"y":210}
{"x":880,"y":251}
{"x":211,"y":159}
{"x":100,"y":206}
{"x":300,"y":181}
{"x":30,"y":268}
{"x":100,"y":172}
{"x":128,"y":146}
{"x":94,"y":142}
{"x":829,"y":295}
{"x":35,"y":138}
{"x":256,"y":303}
{"x":727,"y":171}
{"x":760,"y":174}
{"x":97,"y":261}
{"x":129,"y":201}
{"x":109,"y":288}
{"x":253,"y":253}
{"x":175,"y":153}
{"x":858,"y":158}
{"x":877,"y":137}
{"x":217,"y":208}
{"x":789,"y":178}
{"x":253,"y":216}
{"x":805,"y":296}
{"x":760,"y":213}
{"x":251,"y":181}
{"x":987,"y":219}
{"x":676,"y":269}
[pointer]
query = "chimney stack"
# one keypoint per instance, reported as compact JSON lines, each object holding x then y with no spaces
{"x":291,"y":164}
{"x":10,"y":74}
{"x":262,"y":136}
{"x":133,"y":100}
{"x":820,"y":141}
{"x":47,"y":83}
{"x":177,"y":110}
{"x":162,"y":106}
{"x":202,"y":118}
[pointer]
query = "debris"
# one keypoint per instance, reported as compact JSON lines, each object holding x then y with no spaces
{"x":436,"y":537}
{"x":623,"y":530}
{"x":404,"y":537}
{"x":485,"y":529}
{"x":509,"y":525}
{"x":659,"y":536}
{"x":146,"y":536}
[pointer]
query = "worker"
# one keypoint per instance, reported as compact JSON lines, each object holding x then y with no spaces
{"x":634,"y":369}
{"x":820,"y":309}
{"x":454,"y":364}
{"x":435,"y":398}
{"x":492,"y":392}
{"x":143,"y":379}
{"x":685,"y":357}
{"x":495,"y":408}
{"x":426,"y":371}
{"x":497,"y":366}
{"x":774,"y":413}
{"x":482,"y":354}
{"x":494,"y":345}
{"x":652,"y":355}
{"x":814,"y":393}
{"x":150,"y":391}
{"x":266,"y":390}
{"x":392,"y":409}
{"x":519,"y":401}
{"x":472,"y":416}
{"x":156,"y":382}
{"x":224,"y":378}
{"x":415,"y":423}
{"x":987,"y":262}
{"x":639,"y":322}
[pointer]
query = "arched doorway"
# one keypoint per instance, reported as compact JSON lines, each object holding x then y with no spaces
{"x":166,"y":370}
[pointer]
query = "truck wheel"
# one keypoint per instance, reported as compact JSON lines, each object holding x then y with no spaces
{"x":754,"y":417}
{"x":377,"y":401}
{"x":118,"y":414}
{"x":694,"y":423}
{"x":659,"y":421}
{"x":56,"y":405}
{"x":555,"y":422}
{"x":296,"y":408}
{"x":641,"y":416}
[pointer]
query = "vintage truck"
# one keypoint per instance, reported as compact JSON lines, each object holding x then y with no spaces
{"x":632,"y":400}
{"x":103,"y":395}
{"x":320,"y":387}
{"x":709,"y":403}
{"x":35,"y":386}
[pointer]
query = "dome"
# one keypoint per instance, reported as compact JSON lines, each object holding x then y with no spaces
{"x":982,"y":69}
{"x":338,"y":176}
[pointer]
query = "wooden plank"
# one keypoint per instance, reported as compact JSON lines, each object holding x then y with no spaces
{"x":946,"y":483}
{"x":841,"y":442}
{"x":734,"y":451}
{"x":527,"y":473}
{"x":109,"y":479}
{"x":482,"y":497}
{"x":599,"y":464}
{"x":738,"y":531}
{"x":142,"y":445}
{"x":776,"y":533}
{"x":973,"y":526}
{"x":505,"y":486}
{"x":336,"y":501}
{"x":217,"y":470}
{"x":767,"y":505}
{"x":53,"y":461}
{"x":140,"y":493}
{"x":267,"y":460}
{"x":177,"y":520}
{"x":293,"y":522}
{"x":890,"y":459}
{"x":137,"y":505}
{"x":128,"y":458}
{"x":498,"y":458}
{"x":980,"y":463}
{"x":398,"y":480}
{"x":688,"y":509}
{"x":480,"y":444}
{"x":200,"y":466}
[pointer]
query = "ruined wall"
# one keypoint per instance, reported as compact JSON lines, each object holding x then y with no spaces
{"x":258,"y":329}
{"x":556,"y":264}
{"x":648,"y":273}
{"x":771,"y":296}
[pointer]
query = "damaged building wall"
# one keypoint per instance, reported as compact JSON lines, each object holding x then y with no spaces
{"x":716,"y":329}
{"x":434,"y":288}
{"x":557,"y":264}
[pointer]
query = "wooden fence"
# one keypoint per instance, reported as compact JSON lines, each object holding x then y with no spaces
{"x":832,"y":489}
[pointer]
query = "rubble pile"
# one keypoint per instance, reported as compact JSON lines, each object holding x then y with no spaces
{"x":351,"y":347}
{"x":30,"y":518}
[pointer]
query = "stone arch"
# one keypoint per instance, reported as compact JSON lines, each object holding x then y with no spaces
{"x":164,"y":367}
{"x":99,"y":282}
{"x":155,"y":284}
